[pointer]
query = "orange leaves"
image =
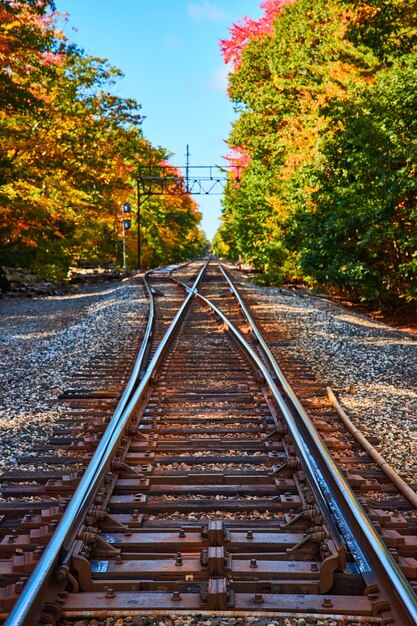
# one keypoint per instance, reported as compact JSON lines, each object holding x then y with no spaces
{"x":71,"y":151}
{"x":365,"y":12}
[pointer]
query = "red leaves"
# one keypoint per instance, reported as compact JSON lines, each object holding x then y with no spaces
{"x":238,"y":157}
{"x":248,"y":28}
{"x":239,"y":160}
{"x":50,"y":58}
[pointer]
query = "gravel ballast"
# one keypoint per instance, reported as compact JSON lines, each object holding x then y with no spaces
{"x":44,"y":340}
{"x":371,"y":366}
{"x":198,"y":619}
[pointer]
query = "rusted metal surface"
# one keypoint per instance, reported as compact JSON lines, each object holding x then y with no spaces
{"x":399,"y":483}
{"x":206,"y":505}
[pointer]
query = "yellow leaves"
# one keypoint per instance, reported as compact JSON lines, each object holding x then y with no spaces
{"x":8,"y":26}
{"x":71,"y":148}
{"x":59,"y":35}
{"x":299,"y":138}
{"x":105,"y":177}
{"x":280,"y":208}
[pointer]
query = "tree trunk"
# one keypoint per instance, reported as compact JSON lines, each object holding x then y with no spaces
{"x":4,"y":283}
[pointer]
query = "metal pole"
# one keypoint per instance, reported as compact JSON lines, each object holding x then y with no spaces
{"x":187,"y":170}
{"x":139,"y":207}
{"x":124,"y":242}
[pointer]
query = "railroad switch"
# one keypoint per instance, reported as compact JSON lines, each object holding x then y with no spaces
{"x":272,"y":568}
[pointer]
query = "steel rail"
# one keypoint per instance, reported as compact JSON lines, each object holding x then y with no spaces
{"x":366,"y":535}
{"x":35,"y":588}
{"x":306,"y":460}
{"x":135,"y":377}
{"x":374,"y":545}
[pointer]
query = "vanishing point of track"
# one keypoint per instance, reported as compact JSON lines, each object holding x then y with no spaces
{"x":203,"y":485}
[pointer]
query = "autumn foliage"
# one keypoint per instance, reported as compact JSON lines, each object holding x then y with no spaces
{"x":325,"y":93}
{"x":69,"y":155}
{"x":249,"y":29}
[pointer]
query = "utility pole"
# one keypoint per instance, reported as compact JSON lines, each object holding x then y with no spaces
{"x":124,"y":247}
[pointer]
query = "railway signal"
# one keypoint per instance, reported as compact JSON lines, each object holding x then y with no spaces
{"x":126,"y":224}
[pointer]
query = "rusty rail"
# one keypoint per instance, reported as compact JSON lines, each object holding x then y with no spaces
{"x":402,"y":486}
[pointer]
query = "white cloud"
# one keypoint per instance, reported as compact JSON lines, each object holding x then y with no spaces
{"x":206,"y":11}
{"x":218,"y":79}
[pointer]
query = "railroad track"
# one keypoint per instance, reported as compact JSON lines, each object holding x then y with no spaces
{"x":207,"y":487}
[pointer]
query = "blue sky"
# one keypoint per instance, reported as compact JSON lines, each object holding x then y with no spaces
{"x":169,"y":53}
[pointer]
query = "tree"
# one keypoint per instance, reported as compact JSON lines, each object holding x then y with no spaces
{"x":329,"y":172}
{"x":360,"y":231}
{"x":70,"y":150}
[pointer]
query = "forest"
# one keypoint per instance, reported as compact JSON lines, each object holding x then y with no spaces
{"x":70,"y":151}
{"x":326,"y":135}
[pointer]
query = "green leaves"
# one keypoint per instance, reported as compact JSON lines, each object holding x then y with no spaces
{"x":328,"y":122}
{"x":364,"y":229}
